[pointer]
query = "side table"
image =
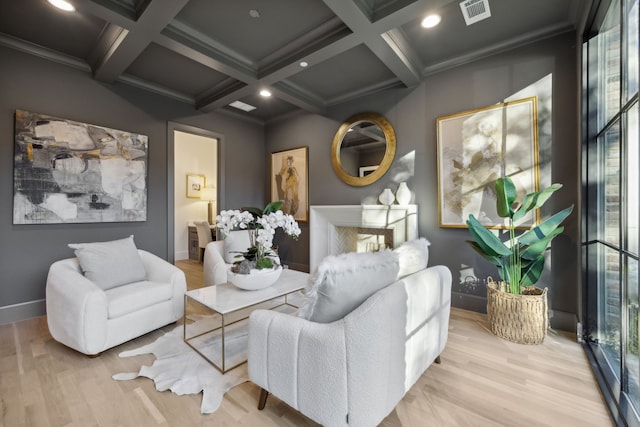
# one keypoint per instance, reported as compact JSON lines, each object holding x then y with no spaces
{"x":228,"y":301}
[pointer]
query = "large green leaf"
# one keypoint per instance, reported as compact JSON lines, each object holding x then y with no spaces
{"x":488,"y":242}
{"x":535,"y":200}
{"x":270,"y":208}
{"x":532,"y":251}
{"x":273,"y":207}
{"x":495,"y":260}
{"x":256,"y":212}
{"x":545,"y":228}
{"x":506,"y":194}
{"x":531,"y":274}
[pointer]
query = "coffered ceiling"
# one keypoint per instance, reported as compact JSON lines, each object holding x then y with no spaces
{"x":210,"y":53}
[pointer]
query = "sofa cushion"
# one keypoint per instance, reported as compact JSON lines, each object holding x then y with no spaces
{"x":136,"y":296}
{"x":234,"y":243}
{"x":110,"y":264}
{"x":345,"y":281}
{"x":413,"y":256}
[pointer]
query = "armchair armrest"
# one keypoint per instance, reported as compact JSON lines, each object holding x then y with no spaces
{"x":76,"y":308}
{"x":160,"y":270}
{"x":301,"y":362}
{"x":215,"y":269}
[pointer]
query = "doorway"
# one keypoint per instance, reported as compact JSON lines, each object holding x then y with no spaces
{"x":194,"y":168}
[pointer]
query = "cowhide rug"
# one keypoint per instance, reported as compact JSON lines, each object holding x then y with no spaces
{"x":183,"y":371}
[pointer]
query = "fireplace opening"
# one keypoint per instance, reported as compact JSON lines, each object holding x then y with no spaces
{"x":362,"y":239}
{"x":358,"y":228}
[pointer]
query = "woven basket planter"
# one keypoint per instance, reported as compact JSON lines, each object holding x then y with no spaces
{"x":522,"y":319}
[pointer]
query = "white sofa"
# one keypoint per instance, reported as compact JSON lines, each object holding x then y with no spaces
{"x":89,"y":319}
{"x":353,"y":371}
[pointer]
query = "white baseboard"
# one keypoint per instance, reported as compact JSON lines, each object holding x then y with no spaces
{"x":182,"y":255}
{"x":22,"y":311}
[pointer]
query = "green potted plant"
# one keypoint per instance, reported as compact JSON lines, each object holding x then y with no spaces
{"x":517,"y":309}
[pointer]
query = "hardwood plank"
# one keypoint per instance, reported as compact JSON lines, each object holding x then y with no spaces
{"x":482,"y":381}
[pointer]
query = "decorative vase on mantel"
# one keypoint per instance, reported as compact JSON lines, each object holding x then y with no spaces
{"x":387,"y":197}
{"x":403,"y":194}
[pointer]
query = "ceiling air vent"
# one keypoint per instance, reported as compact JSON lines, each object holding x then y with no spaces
{"x":475,"y":10}
{"x":242,"y":106}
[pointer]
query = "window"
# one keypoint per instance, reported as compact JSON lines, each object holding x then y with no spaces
{"x":611,"y":213}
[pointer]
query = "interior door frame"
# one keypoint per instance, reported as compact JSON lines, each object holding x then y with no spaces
{"x":171,"y":128}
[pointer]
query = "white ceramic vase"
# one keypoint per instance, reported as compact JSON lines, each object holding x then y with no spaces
{"x":403,"y":194}
{"x":386,"y":197}
{"x":256,"y":280}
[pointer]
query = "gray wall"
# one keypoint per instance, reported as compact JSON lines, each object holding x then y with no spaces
{"x":30,"y":83}
{"x":413,"y":114}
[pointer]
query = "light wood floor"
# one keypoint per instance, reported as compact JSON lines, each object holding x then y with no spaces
{"x":482,"y":381}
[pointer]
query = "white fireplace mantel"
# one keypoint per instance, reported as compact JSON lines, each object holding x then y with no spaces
{"x":323,"y":221}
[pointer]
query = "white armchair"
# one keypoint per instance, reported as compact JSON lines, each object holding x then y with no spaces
{"x":83,"y":316}
{"x":220,"y":254}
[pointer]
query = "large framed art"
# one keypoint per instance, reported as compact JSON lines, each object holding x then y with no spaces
{"x":71,"y":172}
{"x":289,"y":181}
{"x":474,"y":149}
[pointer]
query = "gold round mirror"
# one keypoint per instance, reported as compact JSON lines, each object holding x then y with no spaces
{"x":363,"y":149}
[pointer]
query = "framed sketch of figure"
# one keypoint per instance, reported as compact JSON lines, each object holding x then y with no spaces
{"x":290,"y":181}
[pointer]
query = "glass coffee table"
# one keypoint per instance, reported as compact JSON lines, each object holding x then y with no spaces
{"x":213,"y":337}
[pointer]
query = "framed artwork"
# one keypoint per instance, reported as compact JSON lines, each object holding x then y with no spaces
{"x":366,"y":170}
{"x":72,"y":172}
{"x":477,"y":147}
{"x":195,"y":184}
{"x":290,"y":181}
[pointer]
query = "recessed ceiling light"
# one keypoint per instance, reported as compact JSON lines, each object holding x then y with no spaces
{"x":254,"y":13}
{"x":62,"y":4}
{"x":265,"y":93}
{"x":304,"y":64}
{"x":431,"y":21}
{"x":242,"y":106}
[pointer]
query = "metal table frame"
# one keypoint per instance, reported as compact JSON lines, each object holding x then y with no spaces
{"x":223,"y":368}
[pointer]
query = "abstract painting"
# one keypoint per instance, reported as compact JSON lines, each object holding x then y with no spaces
{"x":477,"y":147}
{"x":71,"y":172}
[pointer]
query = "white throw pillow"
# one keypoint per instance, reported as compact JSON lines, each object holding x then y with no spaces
{"x":110,"y":264}
{"x":413,"y":256}
{"x":235,"y":243}
{"x":343,"y":282}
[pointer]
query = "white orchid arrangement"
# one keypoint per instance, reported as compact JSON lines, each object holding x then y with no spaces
{"x":261,"y":225}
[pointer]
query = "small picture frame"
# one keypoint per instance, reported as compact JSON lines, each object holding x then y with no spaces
{"x":290,"y":181}
{"x":366,"y":170}
{"x":195,"y":184}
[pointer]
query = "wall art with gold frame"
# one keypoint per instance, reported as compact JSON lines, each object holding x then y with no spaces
{"x":195,"y":184}
{"x":478,"y":146}
{"x":290,"y":181}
